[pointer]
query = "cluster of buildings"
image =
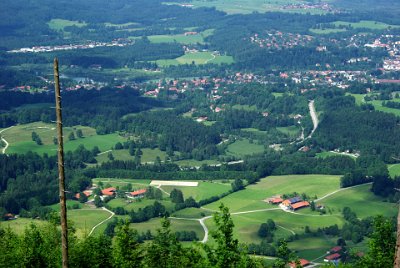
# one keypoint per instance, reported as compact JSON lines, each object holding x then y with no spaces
{"x":91,"y":44}
{"x":308,"y":6}
{"x":280,"y":40}
{"x":293,"y":203}
{"x":112,"y":191}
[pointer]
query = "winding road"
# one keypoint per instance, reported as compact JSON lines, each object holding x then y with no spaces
{"x":100,"y":223}
{"x":5,"y":142}
{"x":314,"y":117}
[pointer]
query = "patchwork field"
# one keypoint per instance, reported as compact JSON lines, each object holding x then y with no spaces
{"x":197,"y":58}
{"x":249,"y":6}
{"x":377,"y":104}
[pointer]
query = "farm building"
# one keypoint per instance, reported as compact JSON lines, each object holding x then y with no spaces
{"x":332,"y":258}
{"x":291,"y":201}
{"x":303,"y":263}
{"x":87,"y":193}
{"x":108,"y":191}
{"x":137,"y":194}
{"x":299,"y":205}
{"x":277,"y":200}
{"x":335,"y":249}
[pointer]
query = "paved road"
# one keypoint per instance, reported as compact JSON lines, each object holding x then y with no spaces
{"x":314,"y":117}
{"x":6,"y":143}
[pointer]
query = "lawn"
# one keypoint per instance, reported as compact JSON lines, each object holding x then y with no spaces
{"x":243,"y":147}
{"x":251,"y":198}
{"x":192,"y":213}
{"x":176,"y":225}
{"x":60,"y":24}
{"x":377,"y":104}
{"x":373,"y":25}
{"x":129,"y":205}
{"x":204,"y":190}
{"x":136,"y":184}
{"x":394,"y":170}
{"x":197,"y":58}
{"x":290,"y":130}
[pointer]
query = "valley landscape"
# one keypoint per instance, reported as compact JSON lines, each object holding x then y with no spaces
{"x":201,"y":133}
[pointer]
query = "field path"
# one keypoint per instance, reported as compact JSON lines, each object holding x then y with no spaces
{"x":291,"y":231}
{"x":213,"y":58}
{"x":100,"y":223}
{"x":339,"y":190}
{"x":201,"y":221}
{"x":7,"y":144}
{"x":104,"y":152}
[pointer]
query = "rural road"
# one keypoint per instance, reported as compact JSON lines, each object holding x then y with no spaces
{"x":100,"y":223}
{"x":314,"y":117}
{"x":7,"y":144}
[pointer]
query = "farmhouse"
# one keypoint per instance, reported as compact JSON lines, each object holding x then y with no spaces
{"x":291,"y":201}
{"x":276,"y":200}
{"x":108,"y":191}
{"x":335,"y":249}
{"x":86,"y":192}
{"x":303,"y":263}
{"x":137,"y":194}
{"x":299,"y":205}
{"x":332,"y":258}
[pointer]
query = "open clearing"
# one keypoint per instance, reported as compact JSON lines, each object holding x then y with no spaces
{"x":377,"y":104}
{"x":181,"y":38}
{"x":243,"y":147}
{"x":149,"y":155}
{"x":60,"y":24}
{"x":373,"y":25}
{"x":85,"y":219}
{"x":394,"y":170}
{"x":197,"y":58}
{"x":20,"y":138}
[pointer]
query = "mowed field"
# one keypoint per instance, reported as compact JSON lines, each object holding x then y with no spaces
{"x":377,"y":104}
{"x":197,"y":58}
{"x":243,"y":147}
{"x":60,"y":24}
{"x":20,"y":138}
{"x":181,"y":38}
{"x":252,"y":197}
{"x":394,"y":170}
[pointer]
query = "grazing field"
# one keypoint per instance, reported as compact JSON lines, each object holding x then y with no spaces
{"x":203,"y":190}
{"x":377,"y":104}
{"x":129,"y":204}
{"x":195,"y":213}
{"x":60,"y":24}
{"x":176,"y":225}
{"x":290,"y":131}
{"x":197,"y":58}
{"x":326,"y":31}
{"x":20,"y":138}
{"x":85,"y":219}
{"x":252,"y":197}
{"x":243,"y":147}
{"x":394,"y":170}
{"x":136,"y":184}
{"x":195,"y":163}
{"x":182,"y":38}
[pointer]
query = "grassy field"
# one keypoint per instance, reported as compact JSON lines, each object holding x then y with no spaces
{"x":394,"y":170}
{"x":204,"y":190}
{"x":327,"y":31}
{"x":245,"y":107}
{"x":373,"y":25}
{"x":19,"y":225}
{"x":128,"y":205}
{"x":136,"y":184}
{"x":290,"y":131}
{"x":249,"y":6}
{"x":197,"y":58}
{"x":195,"y":163}
{"x":194,"y":213}
{"x":85,"y":219}
{"x":252,"y":197}
{"x":243,"y":147}
{"x":176,"y":225}
{"x":377,"y":104}
{"x":60,"y":24}
{"x":181,"y":38}
{"x":149,"y":155}
{"x":20,"y":138}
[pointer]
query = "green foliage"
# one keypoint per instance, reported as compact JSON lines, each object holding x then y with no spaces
{"x":176,"y":196}
{"x":126,"y":252}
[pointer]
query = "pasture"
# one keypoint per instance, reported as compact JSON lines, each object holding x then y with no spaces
{"x":85,"y":219}
{"x":197,"y":58}
{"x":20,"y":138}
{"x":368,"y":24}
{"x":243,"y":147}
{"x":252,"y":197}
{"x":394,"y":170}
{"x":377,"y":104}
{"x":326,"y":31}
{"x":60,"y":24}
{"x":186,"y":39}
{"x":290,"y":130}
{"x":149,"y":155}
{"x":19,"y":225}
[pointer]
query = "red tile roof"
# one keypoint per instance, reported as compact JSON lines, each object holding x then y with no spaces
{"x":300,"y":205}
{"x":303,"y":262}
{"x":276,"y":200}
{"x":138,"y":192}
{"x":332,"y":257}
{"x":336,"y":249}
{"x":108,"y":191}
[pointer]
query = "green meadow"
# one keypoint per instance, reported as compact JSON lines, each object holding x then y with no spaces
{"x":197,"y":58}
{"x":60,"y":24}
{"x":243,"y":147}
{"x":20,"y":138}
{"x":204,"y":190}
{"x":376,"y":103}
{"x":394,"y":170}
{"x":85,"y":219}
{"x":252,"y":197}
{"x":149,"y":155}
{"x":181,"y":38}
{"x":373,"y":25}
